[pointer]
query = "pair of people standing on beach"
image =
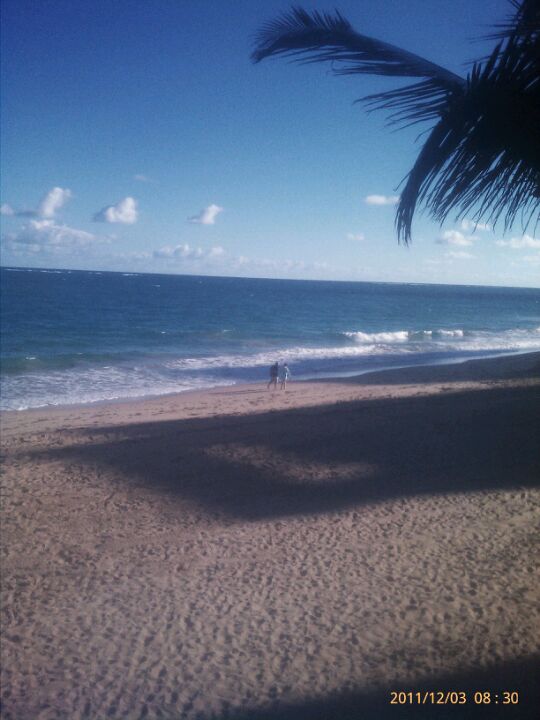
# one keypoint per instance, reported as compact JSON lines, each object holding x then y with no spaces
{"x":276,"y":374}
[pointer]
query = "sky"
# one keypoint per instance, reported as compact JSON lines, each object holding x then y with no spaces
{"x":138,"y":136}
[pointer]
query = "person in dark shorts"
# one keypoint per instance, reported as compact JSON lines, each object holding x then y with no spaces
{"x":274,"y":372}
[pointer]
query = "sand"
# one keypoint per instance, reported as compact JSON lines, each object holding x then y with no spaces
{"x":244,"y":553}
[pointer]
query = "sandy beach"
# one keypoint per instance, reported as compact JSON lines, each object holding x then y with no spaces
{"x":245,"y":553}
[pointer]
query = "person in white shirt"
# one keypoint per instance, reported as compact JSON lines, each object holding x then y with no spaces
{"x":285,"y":376}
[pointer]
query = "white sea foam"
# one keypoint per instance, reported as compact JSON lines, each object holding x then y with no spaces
{"x":400,"y":342}
{"x":381,"y":337}
{"x":401,"y":336}
{"x":450,"y":333}
{"x":92,"y":385}
{"x":268,"y":357}
{"x":162,"y":375}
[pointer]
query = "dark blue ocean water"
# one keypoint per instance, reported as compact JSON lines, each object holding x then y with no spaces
{"x":78,"y":337}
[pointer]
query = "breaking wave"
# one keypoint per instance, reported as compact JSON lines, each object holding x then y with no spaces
{"x":161,"y":375}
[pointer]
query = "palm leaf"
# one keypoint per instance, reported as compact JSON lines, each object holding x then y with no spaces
{"x":322,"y":37}
{"x":483,"y":156}
{"x":524,"y":22}
{"x":326,"y":37}
{"x":483,"y":153}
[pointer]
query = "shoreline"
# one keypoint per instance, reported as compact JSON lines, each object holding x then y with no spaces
{"x":257,"y":554}
{"x":524,"y":360}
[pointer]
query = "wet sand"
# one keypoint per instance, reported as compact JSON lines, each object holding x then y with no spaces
{"x":249,"y":553}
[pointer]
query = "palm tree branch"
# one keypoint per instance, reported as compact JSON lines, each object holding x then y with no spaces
{"x":483,"y":153}
{"x":524,"y":22}
{"x":483,"y":156}
{"x":411,"y":104}
{"x":325,"y":37}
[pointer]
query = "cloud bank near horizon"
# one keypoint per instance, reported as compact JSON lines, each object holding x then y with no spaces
{"x":186,"y":252}
{"x":47,"y":236}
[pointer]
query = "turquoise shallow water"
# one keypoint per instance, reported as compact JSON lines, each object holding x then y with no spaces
{"x":77,"y":337}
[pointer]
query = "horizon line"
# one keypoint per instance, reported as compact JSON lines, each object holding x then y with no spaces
{"x":23,"y":268}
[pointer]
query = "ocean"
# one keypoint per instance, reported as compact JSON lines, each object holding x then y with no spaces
{"x":77,"y":337}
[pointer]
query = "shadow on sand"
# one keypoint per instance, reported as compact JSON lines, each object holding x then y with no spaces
{"x":462,"y":441}
{"x":328,"y":458}
{"x":519,"y":676}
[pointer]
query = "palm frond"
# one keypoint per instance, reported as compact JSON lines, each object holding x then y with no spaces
{"x":525,"y":21}
{"x":483,"y":156}
{"x":322,"y":37}
{"x":483,"y":153}
{"x":411,"y":104}
{"x":325,"y":37}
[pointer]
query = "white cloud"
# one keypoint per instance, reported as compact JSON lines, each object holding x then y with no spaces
{"x":142,"y":178}
{"x":381,"y":199}
{"x":532,"y":259}
{"x":46,"y":236}
{"x":217,"y":257}
{"x":136,"y":256}
{"x":124,"y":212}
{"x":526,"y":241}
{"x":216,"y":251}
{"x":47,"y":208}
{"x":185,"y":252}
{"x":356,"y":236}
{"x":164,"y":252}
{"x":453,"y":237}
{"x":277,"y":266}
{"x":471,"y":226}
{"x":52,"y":202}
{"x":459,"y":255}
{"x":206,"y":216}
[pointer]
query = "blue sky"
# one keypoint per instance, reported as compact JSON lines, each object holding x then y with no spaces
{"x":138,"y":136}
